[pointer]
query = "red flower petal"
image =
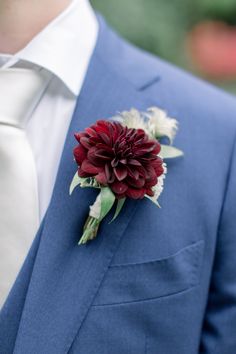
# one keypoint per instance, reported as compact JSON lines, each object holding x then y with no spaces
{"x":139,"y":183}
{"x":151,"y":182}
{"x":133,"y":172}
{"x":85,"y":142}
{"x":146,"y":148}
{"x":91,"y":132}
{"x":119,"y":187}
{"x":135,"y":193}
{"x":157,"y":148}
{"x":89,"y":168}
{"x":78,"y":136}
{"x":105,"y":138}
{"x":83,"y":174}
{"x":109,"y":174}
{"x":120,"y":172}
{"x":98,"y":157}
{"x":101,"y":178}
{"x":150,"y":192}
{"x":80,"y":154}
{"x":134,"y":162}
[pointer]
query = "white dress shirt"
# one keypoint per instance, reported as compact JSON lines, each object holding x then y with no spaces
{"x":63,"y":49}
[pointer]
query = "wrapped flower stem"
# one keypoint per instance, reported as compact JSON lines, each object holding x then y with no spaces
{"x":103,"y":204}
{"x":90,"y":230}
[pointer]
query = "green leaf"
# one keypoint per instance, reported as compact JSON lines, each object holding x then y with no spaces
{"x":119,"y":207}
{"x":107,"y":201}
{"x":170,"y":152}
{"x":75,"y":182}
{"x":89,"y":182}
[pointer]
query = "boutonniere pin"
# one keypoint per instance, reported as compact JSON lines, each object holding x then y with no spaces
{"x":123,"y":158}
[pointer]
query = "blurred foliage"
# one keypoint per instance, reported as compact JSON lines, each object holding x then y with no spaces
{"x":161,"y":26}
{"x":155,"y":25}
{"x":219,"y":9}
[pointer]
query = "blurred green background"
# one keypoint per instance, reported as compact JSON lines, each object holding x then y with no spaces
{"x":166,"y":27}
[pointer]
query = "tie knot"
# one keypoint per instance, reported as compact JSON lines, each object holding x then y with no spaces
{"x":20,"y":91}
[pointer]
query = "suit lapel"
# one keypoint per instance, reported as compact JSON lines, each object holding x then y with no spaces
{"x":66,"y":277}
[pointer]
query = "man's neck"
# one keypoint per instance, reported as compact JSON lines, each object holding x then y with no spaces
{"x":21,"y":20}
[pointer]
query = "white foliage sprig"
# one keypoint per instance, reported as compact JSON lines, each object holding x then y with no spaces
{"x":156,"y":124}
{"x":160,"y":125}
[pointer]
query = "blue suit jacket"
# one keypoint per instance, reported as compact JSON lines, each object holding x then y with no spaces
{"x":154,"y":281}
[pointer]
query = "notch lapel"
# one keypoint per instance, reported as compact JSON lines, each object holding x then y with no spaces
{"x":66,"y":277}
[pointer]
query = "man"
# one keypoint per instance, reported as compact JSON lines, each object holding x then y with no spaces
{"x":153,"y":281}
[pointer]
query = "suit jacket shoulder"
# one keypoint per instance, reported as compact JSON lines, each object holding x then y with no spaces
{"x":169,"y":85}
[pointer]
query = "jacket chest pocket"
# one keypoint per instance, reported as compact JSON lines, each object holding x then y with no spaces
{"x":146,"y":281}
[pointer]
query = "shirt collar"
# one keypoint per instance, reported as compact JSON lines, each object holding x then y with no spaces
{"x":65,"y":46}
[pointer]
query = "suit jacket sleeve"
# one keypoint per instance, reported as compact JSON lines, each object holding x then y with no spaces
{"x":219,"y":328}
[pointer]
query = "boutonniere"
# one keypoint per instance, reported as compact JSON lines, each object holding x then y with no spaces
{"x":123,"y":158}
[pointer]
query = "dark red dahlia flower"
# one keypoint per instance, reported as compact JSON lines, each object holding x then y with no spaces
{"x":119,"y":157}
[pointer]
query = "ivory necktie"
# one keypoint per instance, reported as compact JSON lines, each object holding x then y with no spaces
{"x":20,"y":91}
